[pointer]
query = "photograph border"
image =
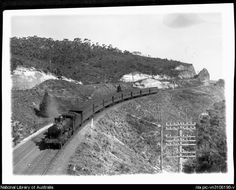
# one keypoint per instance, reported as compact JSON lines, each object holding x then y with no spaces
{"x":228,"y":57}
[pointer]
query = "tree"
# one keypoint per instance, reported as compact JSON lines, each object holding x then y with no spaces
{"x":220,"y":83}
{"x":78,"y":40}
{"x":48,"y":107}
{"x":43,"y":107}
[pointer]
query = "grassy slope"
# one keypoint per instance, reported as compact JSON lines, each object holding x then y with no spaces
{"x":122,"y":144}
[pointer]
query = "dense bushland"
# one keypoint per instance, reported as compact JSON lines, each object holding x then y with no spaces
{"x":83,"y":60}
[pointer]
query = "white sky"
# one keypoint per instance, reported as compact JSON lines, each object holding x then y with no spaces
{"x":189,"y":37}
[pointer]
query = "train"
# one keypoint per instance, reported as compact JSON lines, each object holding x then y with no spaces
{"x":68,"y":123}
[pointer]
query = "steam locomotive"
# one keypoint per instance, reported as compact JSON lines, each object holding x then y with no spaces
{"x":68,"y":123}
{"x":62,"y":129}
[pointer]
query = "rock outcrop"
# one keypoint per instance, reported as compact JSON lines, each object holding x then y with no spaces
{"x":203,"y":76}
{"x":26,"y":78}
{"x":186,"y":71}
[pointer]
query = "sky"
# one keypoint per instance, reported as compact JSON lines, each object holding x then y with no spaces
{"x":194,"y":38}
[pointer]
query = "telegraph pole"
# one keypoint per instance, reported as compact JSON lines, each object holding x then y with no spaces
{"x":162,"y":144}
{"x":179,"y":149}
{"x":162,"y":137}
{"x":181,"y":140}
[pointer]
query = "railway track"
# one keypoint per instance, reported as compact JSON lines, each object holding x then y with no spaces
{"x":42,"y":162}
{"x":50,"y":162}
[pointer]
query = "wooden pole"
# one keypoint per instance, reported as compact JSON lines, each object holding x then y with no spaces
{"x":180,"y":149}
{"x":186,"y":119}
{"x":162,"y":138}
{"x":161,"y":157}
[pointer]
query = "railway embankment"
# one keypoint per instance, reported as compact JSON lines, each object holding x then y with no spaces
{"x":118,"y":143}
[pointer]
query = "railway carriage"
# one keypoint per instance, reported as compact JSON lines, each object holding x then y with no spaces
{"x":145,"y":91}
{"x":108,"y":101}
{"x":65,"y":125}
{"x":117,"y":97}
{"x":126,"y":95}
{"x":97,"y":106}
{"x":153,"y":90}
{"x":135,"y":93}
{"x":87,"y":112}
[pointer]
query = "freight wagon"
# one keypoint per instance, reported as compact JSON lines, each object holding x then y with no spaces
{"x":66,"y":124}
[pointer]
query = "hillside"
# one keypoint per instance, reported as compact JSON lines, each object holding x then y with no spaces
{"x":120,"y":143}
{"x":87,"y":62}
{"x":73,"y":72}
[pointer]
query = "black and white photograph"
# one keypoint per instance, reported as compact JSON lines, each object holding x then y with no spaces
{"x":136,"y":94}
